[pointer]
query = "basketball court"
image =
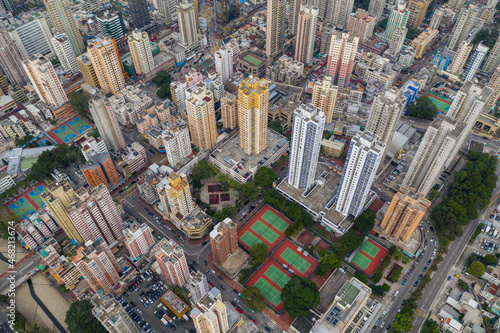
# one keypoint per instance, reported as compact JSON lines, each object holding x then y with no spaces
{"x":29,"y":201}
{"x":292,"y":256}
{"x":70,"y":130}
{"x":79,"y":125}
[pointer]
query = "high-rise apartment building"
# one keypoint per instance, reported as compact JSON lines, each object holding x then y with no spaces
{"x":295,"y":6}
{"x":275,"y":29}
{"x":63,"y":21}
{"x":463,"y":26}
{"x":435,"y":148}
{"x":385,"y":113}
{"x":226,"y":11}
{"x":376,"y":8}
{"x":101,"y":171}
{"x":187,"y":23}
{"x":98,"y":266}
{"x":338,"y":11}
{"x":306,"y":33}
{"x":492,"y":61}
{"x":494,"y":84}
{"x":110,"y":22}
{"x":178,"y":92}
{"x":404,"y":214}
{"x":105,"y":120}
{"x":197,"y":286}
{"x":112,"y":315}
{"x":361,"y":24}
{"x":417,"y":10}
{"x":87,"y":69}
{"x":107,"y":65}
{"x":166,"y":8}
{"x":436,"y":19}
{"x":325,"y":97}
{"x":32,"y":38}
{"x":475,"y":62}
{"x":11,"y":61}
{"x":229,"y":111}
{"x":140,"y":50}
{"x":210,"y":314}
{"x":65,"y":53}
{"x":397,"y":41}
{"x":253,"y":98}
{"x":139,"y":13}
{"x":224,"y":58}
{"x":45,"y":81}
{"x":224,"y":240}
{"x":172,"y":261}
{"x":177,"y":143}
{"x":397,"y":19}
{"x":201,"y":116}
{"x":364,"y":156}
{"x":178,"y":195}
{"x":424,"y":42}
{"x":341,"y":56}
{"x":138,"y":239}
{"x":463,"y":51}
{"x":456,"y":4}
{"x":307,"y":133}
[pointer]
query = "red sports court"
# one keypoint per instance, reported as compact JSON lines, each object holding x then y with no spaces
{"x":369,"y":257}
{"x":293,"y":257}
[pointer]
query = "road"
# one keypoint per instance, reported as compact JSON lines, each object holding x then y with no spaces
{"x":22,"y":272}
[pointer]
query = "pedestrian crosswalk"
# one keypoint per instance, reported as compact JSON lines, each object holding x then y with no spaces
{"x":420,"y":313}
{"x":271,"y":324}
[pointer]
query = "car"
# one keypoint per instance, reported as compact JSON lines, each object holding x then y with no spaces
{"x":429,"y":262}
{"x":120,"y":191}
{"x":220,"y":277}
{"x":212,"y":284}
{"x":223,"y":286}
{"x":415,"y":284}
{"x":239,"y":310}
{"x":404,"y":282}
{"x":206,"y":263}
{"x":420,"y":276}
{"x":403,"y":302}
{"x":236,"y":291}
{"x":132,"y":304}
{"x":425,"y":268}
{"x":254,"y":321}
{"x":233,"y":303}
{"x":147,"y":286}
{"x":195,"y":263}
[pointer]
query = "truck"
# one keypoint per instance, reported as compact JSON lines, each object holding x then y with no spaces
{"x":164,"y":322}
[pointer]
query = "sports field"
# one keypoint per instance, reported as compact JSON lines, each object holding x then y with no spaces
{"x":29,"y":201}
{"x":70,"y":130}
{"x":441,"y":102}
{"x":369,"y":256}
{"x":45,"y":140}
{"x":253,"y":60}
{"x":267,"y":225}
{"x":79,"y":125}
{"x":290,"y":255}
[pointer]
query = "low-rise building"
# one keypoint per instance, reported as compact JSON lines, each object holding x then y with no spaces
{"x":424,"y":42}
{"x":332,"y":148}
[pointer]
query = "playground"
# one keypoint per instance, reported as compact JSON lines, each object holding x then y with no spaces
{"x":442,"y":103}
{"x":69,"y":130}
{"x":45,"y":140}
{"x":267,"y":226}
{"x":29,"y":201}
{"x":292,"y":256}
{"x":369,"y":257}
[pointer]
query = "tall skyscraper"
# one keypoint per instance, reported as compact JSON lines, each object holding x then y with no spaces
{"x":201,"y":116}
{"x":138,"y":239}
{"x":404,"y":214}
{"x":229,"y":111}
{"x":11,"y":61}
{"x":177,"y":143}
{"x":338,"y":11}
{"x":385,"y":113}
{"x":107,"y":65}
{"x":224,"y":58}
{"x":275,"y":29}
{"x":187,"y":23}
{"x":197,"y":286}
{"x":435,"y":148}
{"x":253,"y":98}
{"x":462,"y":26}
{"x":224,"y":240}
{"x":45,"y":81}
{"x":33,"y":38}
{"x":340,"y":64}
{"x":65,"y":53}
{"x":178,"y":91}
{"x":361,"y":24}
{"x":306,"y":33}
{"x":140,"y":50}
{"x":210,"y":314}
{"x":492,"y":61}
{"x":325,"y":97}
{"x":99,"y":267}
{"x":397,"y":19}
{"x":139,"y":13}
{"x":463,"y":51}
{"x":397,"y":41}
{"x":376,"y":8}
{"x":475,"y":62}
{"x":110,"y":22}
{"x":63,"y":21}
{"x":87,"y":69}
{"x":307,"y":133}
{"x":176,"y":197}
{"x":105,"y":120}
{"x":417,"y":10}
{"x":112,"y":315}
{"x":364,"y":156}
{"x":101,"y":171}
{"x":172,"y":261}
{"x":226,"y":11}
{"x":295,"y":6}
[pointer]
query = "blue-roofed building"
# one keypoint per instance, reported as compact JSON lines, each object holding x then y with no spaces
{"x":410,"y":92}
{"x":441,"y":61}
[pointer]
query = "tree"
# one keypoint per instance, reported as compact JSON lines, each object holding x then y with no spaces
{"x":476,"y":269}
{"x":412,"y":33}
{"x":79,"y":102}
{"x":430,"y":327}
{"x":299,"y":295}
{"x":366,"y":220}
{"x":79,"y":316}
{"x":404,"y":320}
{"x":164,"y":92}
{"x":274,"y":125}
{"x":490,"y":259}
{"x":33,"y":328}
{"x":258,"y":254}
{"x":487,"y":38}
{"x":423,"y":108}
{"x":162,"y":77}
{"x":328,"y":261}
{"x":95,"y":327}
{"x":248,"y":192}
{"x":95,"y":133}
{"x":203,"y":170}
{"x":254,"y":299}
{"x":265,"y":176}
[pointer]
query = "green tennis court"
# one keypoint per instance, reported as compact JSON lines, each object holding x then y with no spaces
{"x":272,"y":294}
{"x":275,"y":221}
{"x":370,"y":249}
{"x":277,"y":276}
{"x":361,"y":261}
{"x":249,"y":239}
{"x":264,"y":231}
{"x":295,"y":260}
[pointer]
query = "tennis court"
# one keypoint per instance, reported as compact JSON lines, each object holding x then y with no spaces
{"x":297,"y":262}
{"x":264,"y":231}
{"x":290,"y":255}
{"x":269,"y":292}
{"x":275,"y":221}
{"x":277,"y":276}
{"x":249,"y":239}
{"x":361,"y":261}
{"x":370,"y":249}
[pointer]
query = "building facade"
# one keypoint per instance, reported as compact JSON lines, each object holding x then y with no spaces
{"x":325,"y":97}
{"x":107,"y":65}
{"x":105,"y":120}
{"x":172,"y":261}
{"x":201,"y":116}
{"x":340,"y":63}
{"x":361,"y":24}
{"x":138,"y":239}
{"x":140,"y":50}
{"x":65,"y":53}
{"x":385,"y":113}
{"x":229,"y":111}
{"x":139,"y":13}
{"x":224,"y":240}
{"x":397,"y":19}
{"x":306,"y":33}
{"x":275,"y":29}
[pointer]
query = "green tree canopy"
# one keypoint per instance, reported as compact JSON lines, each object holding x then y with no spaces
{"x":265,"y":176}
{"x":488,"y":38}
{"x":258,"y":254}
{"x":203,"y":170}
{"x":79,"y":316}
{"x":366,"y":220}
{"x":328,"y":261}
{"x":423,"y":108}
{"x":430,"y":327}
{"x":274,"y":125}
{"x":254,"y":298}
{"x":403,"y":320}
{"x":162,"y":80}
{"x":95,"y":133}
{"x":79,"y":102}
{"x":412,"y":33}
{"x":299,"y":296}
{"x":490,"y":259}
{"x":248,"y":192}
{"x":476,"y":269}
